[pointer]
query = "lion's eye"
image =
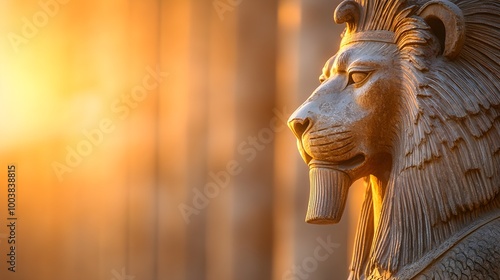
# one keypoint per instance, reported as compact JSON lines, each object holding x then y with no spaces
{"x":357,"y":77}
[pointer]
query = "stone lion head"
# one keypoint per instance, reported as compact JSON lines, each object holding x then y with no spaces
{"x":411,"y":102}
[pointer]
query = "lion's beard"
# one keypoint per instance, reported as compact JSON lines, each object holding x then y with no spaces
{"x":328,"y":195}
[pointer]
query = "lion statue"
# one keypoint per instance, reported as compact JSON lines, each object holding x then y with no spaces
{"x":411,"y":103}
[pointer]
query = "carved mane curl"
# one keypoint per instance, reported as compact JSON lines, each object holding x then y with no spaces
{"x":446,"y":163}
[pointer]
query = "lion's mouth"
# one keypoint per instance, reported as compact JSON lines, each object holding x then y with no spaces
{"x":344,"y":165}
{"x":346,"y":159}
{"x":331,"y":144}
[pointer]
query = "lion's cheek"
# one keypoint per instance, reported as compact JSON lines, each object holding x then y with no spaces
{"x":377,"y":105}
{"x":371,"y":99}
{"x":379,"y":93}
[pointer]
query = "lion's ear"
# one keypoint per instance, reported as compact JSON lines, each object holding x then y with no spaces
{"x":447,"y":23}
{"x":348,"y":12}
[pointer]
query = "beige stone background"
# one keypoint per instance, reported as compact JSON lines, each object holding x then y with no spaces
{"x":69,"y":68}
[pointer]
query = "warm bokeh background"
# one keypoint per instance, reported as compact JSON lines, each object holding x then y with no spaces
{"x":236,"y":70}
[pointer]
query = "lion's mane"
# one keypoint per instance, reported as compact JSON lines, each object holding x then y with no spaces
{"x":446,"y":166}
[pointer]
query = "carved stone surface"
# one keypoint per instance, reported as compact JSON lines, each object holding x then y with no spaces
{"x":411,"y":103}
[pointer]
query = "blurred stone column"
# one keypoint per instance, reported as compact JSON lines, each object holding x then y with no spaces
{"x":221,"y":140}
{"x":183,"y":145}
{"x":285,"y":182}
{"x":174,"y":133}
{"x":255,"y":95}
{"x":146,"y":78}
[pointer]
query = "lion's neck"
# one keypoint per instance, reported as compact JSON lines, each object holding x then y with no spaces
{"x":402,"y":228}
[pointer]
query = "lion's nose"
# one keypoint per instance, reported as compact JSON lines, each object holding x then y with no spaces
{"x":299,"y":126}
{"x":299,"y":122}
